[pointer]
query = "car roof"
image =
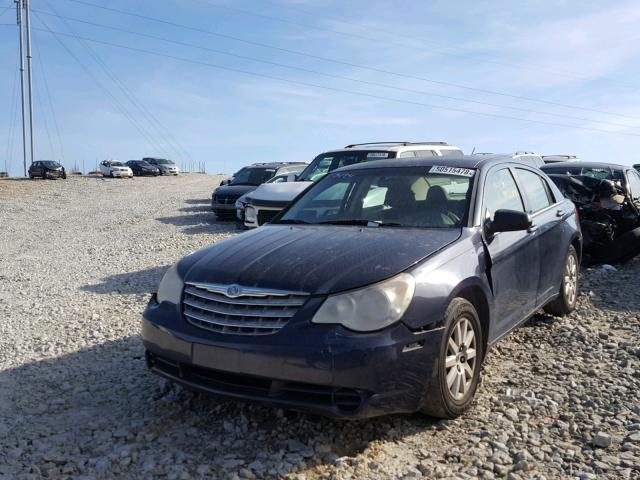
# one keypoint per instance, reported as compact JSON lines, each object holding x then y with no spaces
{"x":276,"y":164}
{"x":461,"y":161}
{"x":393,"y":147}
{"x":581,"y":164}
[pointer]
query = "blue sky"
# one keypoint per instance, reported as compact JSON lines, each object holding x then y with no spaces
{"x":582,"y":54}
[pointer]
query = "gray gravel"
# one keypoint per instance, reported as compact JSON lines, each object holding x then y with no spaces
{"x":78,"y":261}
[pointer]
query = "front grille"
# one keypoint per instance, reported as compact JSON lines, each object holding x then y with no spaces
{"x":265,"y":216}
{"x":239,"y":310}
{"x":226,"y":199}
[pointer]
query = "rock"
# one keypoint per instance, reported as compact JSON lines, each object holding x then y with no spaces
{"x":601,"y":440}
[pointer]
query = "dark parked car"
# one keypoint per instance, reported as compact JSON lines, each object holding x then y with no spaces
{"x":608,"y":200}
{"x":637,"y":166}
{"x":142,"y":167}
{"x":378,"y":290}
{"x":47,"y":169}
{"x":247,"y":179}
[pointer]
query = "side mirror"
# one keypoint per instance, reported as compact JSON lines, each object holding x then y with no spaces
{"x":508,"y":221}
{"x":292,"y":177}
{"x":225,"y":182}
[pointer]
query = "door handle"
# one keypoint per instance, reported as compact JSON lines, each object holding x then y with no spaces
{"x":532,"y":229}
{"x":559,"y":212}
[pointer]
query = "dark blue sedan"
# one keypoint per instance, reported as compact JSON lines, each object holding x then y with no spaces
{"x":378,"y":290}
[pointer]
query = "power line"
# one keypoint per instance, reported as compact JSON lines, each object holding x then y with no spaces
{"x":52,"y":108}
{"x":150,"y":140}
{"x":350,"y":92}
{"x":390,"y":40}
{"x":339,"y":77}
{"x":163,"y":132}
{"x":351,"y":64}
{"x":527,"y":65}
{"x":45,"y":122}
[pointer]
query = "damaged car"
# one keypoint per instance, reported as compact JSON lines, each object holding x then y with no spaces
{"x":607,"y":197}
{"x":377,"y":291}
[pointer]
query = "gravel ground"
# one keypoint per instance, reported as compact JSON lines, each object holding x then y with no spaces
{"x":79,"y":259}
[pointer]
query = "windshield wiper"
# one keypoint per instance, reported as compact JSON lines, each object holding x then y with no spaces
{"x":292,"y":221}
{"x":361,"y":222}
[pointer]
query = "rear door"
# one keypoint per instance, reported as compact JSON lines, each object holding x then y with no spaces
{"x":547,"y":216}
{"x":514,"y":257}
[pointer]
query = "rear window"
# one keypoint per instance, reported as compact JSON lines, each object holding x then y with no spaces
{"x":327,"y":162}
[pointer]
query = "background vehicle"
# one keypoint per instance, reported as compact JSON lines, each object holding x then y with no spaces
{"x":268,"y":200}
{"x":166,"y":167}
{"x":559,"y":158}
{"x":47,"y":169}
{"x":530,"y":158}
{"x":141,"y":167}
{"x":114,"y":168}
{"x":608,"y":200}
{"x":224,"y":197}
{"x":637,"y":166}
{"x":377,"y":291}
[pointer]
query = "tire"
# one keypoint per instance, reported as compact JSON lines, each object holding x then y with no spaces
{"x":455,"y":366}
{"x":565,"y":303}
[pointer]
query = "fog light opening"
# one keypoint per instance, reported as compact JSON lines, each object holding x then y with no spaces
{"x":347,"y":399}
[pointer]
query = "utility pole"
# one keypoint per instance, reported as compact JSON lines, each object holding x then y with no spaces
{"x":29,"y":75}
{"x":24,"y":128}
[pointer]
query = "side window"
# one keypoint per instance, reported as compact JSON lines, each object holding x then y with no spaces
{"x":409,"y":153}
{"x":425,"y":153}
{"x":634,"y":184}
{"x":536,"y":190}
{"x":501,"y":193}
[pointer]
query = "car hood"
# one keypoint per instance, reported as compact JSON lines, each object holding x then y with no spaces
{"x":235,"y":190}
{"x":315,"y":259}
{"x":278,"y":192}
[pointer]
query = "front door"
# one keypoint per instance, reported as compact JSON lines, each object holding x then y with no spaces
{"x":514,"y":257}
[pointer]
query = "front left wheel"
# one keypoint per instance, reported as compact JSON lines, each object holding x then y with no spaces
{"x":458,"y":368}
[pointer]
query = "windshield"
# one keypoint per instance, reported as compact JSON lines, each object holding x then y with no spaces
{"x":601,"y":173}
{"x":252,"y":176}
{"x":50,"y":163}
{"x":327,"y":162}
{"x":418,"y":197}
{"x":162,"y":161}
{"x":117,"y":164}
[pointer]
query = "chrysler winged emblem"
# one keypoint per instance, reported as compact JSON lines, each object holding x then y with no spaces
{"x":234,"y":291}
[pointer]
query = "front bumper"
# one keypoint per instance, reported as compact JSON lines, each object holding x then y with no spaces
{"x":324,"y":369}
{"x":53,"y":174}
{"x":121,"y":174}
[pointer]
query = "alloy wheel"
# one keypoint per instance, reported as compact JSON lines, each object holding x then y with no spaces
{"x":461,"y":358}
{"x":571,"y":279}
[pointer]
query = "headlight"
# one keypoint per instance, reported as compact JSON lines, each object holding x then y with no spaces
{"x":370,"y":308}
{"x":170,"y":289}
{"x":250,"y":214}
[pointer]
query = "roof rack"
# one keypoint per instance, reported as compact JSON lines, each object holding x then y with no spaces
{"x":396,"y":143}
{"x":524,"y":152}
{"x":559,"y":156}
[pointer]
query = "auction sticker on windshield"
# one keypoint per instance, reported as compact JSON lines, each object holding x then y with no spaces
{"x":461,"y":172}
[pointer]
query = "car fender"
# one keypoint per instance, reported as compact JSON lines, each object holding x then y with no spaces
{"x":455,"y":271}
